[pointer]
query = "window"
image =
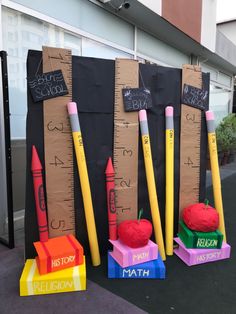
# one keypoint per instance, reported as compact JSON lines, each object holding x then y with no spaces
{"x":13,"y":68}
{"x":220,"y":92}
{"x":220,"y":99}
{"x":32,"y":33}
{"x":91,"y":48}
{"x":12,"y":19}
{"x":12,"y":36}
{"x":21,"y":33}
{"x":150,"y":46}
{"x":13,"y":52}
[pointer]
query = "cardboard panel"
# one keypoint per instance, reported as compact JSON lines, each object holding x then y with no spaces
{"x":96,"y":112}
{"x":58,"y":148}
{"x":190,"y":143}
{"x":126,"y":135}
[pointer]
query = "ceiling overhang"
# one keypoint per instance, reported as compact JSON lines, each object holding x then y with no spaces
{"x":154,"y":24}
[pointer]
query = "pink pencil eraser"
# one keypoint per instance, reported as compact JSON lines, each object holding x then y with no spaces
{"x":169,"y":111}
{"x":72,"y":107}
{"x":210,"y":115}
{"x":143,"y":115}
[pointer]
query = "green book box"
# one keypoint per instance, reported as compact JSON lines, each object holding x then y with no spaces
{"x":200,"y":240}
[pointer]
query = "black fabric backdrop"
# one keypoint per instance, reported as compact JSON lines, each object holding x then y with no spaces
{"x":93,"y":90}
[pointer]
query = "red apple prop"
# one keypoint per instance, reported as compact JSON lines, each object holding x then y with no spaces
{"x":201,"y":217}
{"x":135,"y":233}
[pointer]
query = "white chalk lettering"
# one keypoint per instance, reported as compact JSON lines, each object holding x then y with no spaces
{"x":139,"y":272}
{"x":125,"y":272}
{"x":204,"y":242}
{"x":140,"y":256}
{"x":47,"y":90}
{"x":46,"y":78}
{"x":55,"y":285}
{"x":146,"y":272}
{"x":208,"y":256}
{"x":133,"y":273}
{"x":63,"y":261}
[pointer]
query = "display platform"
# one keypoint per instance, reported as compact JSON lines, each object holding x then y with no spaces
{"x":66,"y":280}
{"x":154,"y":269}
{"x":201,"y":256}
{"x":126,"y":256}
{"x":200,"y":240}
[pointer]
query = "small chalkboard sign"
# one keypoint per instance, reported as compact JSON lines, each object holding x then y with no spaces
{"x":136,"y":99}
{"x":47,"y":85}
{"x":195,"y":97}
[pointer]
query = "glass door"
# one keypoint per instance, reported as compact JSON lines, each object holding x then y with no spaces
{"x":6,"y":202}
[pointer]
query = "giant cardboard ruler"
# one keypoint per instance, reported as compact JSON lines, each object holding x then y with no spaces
{"x":58,"y":148}
{"x":190,"y":138}
{"x":126,"y":134}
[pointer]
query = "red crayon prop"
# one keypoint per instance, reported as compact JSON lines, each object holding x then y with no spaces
{"x":110,"y":183}
{"x":36,"y":169}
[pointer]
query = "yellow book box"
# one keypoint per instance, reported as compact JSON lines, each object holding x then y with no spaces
{"x":66,"y":280}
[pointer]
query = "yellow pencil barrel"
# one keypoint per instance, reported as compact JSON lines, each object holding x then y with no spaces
{"x":169,"y":210}
{"x":84,"y":182}
{"x":216,"y":182}
{"x":156,"y":220}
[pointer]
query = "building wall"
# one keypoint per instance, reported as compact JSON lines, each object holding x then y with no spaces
{"x":196,"y":18}
{"x":229,"y":30}
{"x":22,"y":32}
{"x":30,"y":24}
{"x":155,"y":6}
{"x":184,"y":14}
{"x":208,"y":27}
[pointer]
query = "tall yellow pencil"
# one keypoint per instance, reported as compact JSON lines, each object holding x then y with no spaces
{"x":215,"y":170}
{"x":169,"y":213}
{"x":156,"y":220}
{"x":84,"y":181}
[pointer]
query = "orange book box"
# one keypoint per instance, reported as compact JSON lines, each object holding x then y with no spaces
{"x":58,"y":253}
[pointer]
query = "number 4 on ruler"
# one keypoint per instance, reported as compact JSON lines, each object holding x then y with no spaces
{"x":57,"y":161}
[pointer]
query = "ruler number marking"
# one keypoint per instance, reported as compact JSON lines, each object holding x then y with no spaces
{"x":61,"y":59}
{"x":56,"y":57}
{"x":57,"y":225}
{"x":190,"y":117}
{"x":57,"y":161}
{"x":127,"y":152}
{"x":125,"y":209}
{"x":125,"y":183}
{"x":51,"y":127}
{"x":189,"y":162}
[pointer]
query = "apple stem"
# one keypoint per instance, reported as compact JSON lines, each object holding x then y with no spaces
{"x":140,"y":214}
{"x":206,"y":203}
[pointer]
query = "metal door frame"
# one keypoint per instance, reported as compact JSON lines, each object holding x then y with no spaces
{"x":6,"y":152}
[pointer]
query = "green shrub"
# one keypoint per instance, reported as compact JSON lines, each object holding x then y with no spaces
{"x":226,"y":133}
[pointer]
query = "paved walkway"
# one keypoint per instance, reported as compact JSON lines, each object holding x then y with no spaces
{"x":225,"y":171}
